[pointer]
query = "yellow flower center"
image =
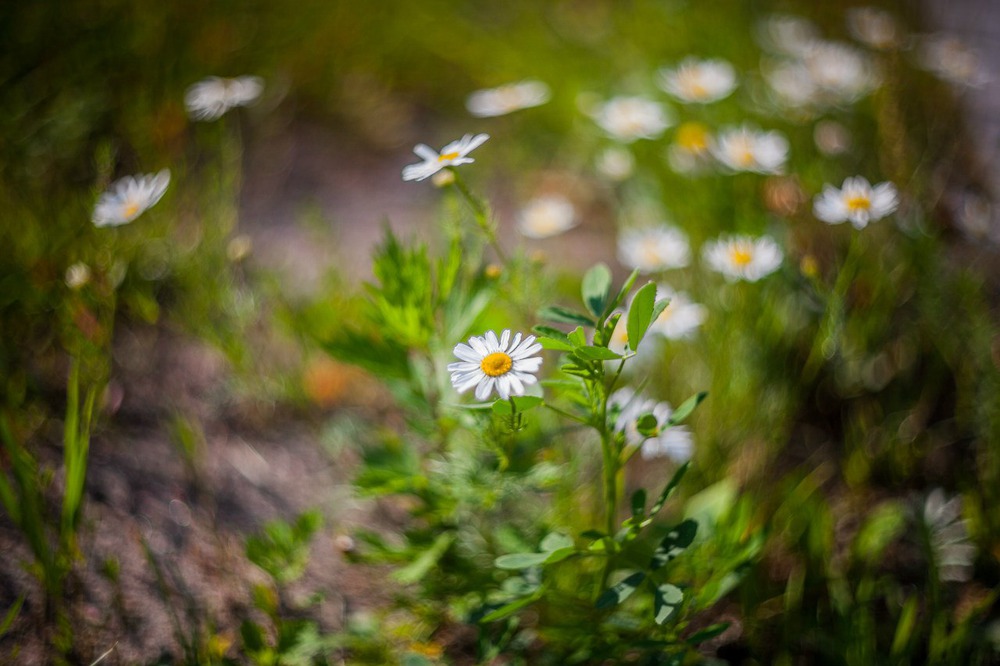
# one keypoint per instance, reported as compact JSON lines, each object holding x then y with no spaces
{"x":446,"y":157}
{"x":858,"y":203}
{"x":131,"y":208}
{"x":496,"y":364}
{"x":740,"y":256}
{"x":692,"y":137}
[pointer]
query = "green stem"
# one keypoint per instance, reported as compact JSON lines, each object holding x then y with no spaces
{"x":481,"y":215}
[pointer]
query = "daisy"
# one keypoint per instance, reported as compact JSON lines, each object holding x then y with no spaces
{"x":791,"y":83}
{"x":787,"y":35}
{"x":616,"y":164}
{"x":77,"y":275}
{"x":453,"y":154}
{"x":743,"y":257}
{"x":842,"y":73}
{"x":953,"y":61}
{"x":210,"y":98}
{"x":681,"y":318}
{"x":873,"y":27}
{"x":748,"y":149}
{"x":489,"y":363}
{"x":948,"y":535}
{"x":689,"y":153}
{"x":506,"y":99}
{"x":856,"y":202}
{"x":547,"y":216}
{"x":674,"y":442}
{"x":699,"y":81}
{"x":654,"y":249}
{"x":128,"y":198}
{"x":630,"y":118}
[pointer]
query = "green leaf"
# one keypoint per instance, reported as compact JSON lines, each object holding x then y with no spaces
{"x":904,"y":628}
{"x":686,"y":408}
{"x":639,"y":503}
{"x":595,"y":288}
{"x":592,"y":534}
{"x":522,"y":402}
{"x":640,"y":314}
{"x":510,"y":608}
{"x":577,"y":337}
{"x":559,"y":555}
{"x":669,"y":489}
{"x":555,"y":541}
{"x":11,"y":615}
{"x":549,"y":332}
{"x":597,"y":353}
{"x":520,"y":560}
{"x":675,"y":543}
{"x":622,"y":293}
{"x":553,"y":343}
{"x":660,"y":306}
{"x":666,"y":601}
{"x":430,"y":557}
{"x":707,"y":633}
{"x":620,"y":591}
{"x":565,"y":316}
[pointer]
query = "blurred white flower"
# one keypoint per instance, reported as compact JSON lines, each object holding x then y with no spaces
{"x":653,"y":249}
{"x":791,"y":83}
{"x":674,"y":442}
{"x":489,"y":363}
{"x":840,"y":72}
{"x":952,"y":60}
{"x":454,"y":154}
{"x":128,"y":198}
{"x":743,"y":257}
{"x":951,"y":549}
{"x":630,"y":118}
{"x":546,"y":216}
{"x":615,"y":164}
{"x":210,"y":98}
{"x":690,"y":151}
{"x":748,"y":149}
{"x":77,"y":275}
{"x":831,"y":138}
{"x":681,"y":318}
{"x":873,"y":27}
{"x":856,"y":202}
{"x":787,"y":35}
{"x":505,"y":99}
{"x":699,"y":81}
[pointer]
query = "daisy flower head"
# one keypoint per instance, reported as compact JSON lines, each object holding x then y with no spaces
{"x":615,"y":164}
{"x":954,"y":554}
{"x":210,"y":98}
{"x":856,"y":202}
{"x":630,"y":118}
{"x":743,"y":257}
{"x":547,"y":216}
{"x":841,"y":72}
{"x":506,"y":99}
{"x":786,"y":35}
{"x":748,"y":149}
{"x":791,"y":83}
{"x":502,"y":364}
{"x":128,"y":198}
{"x":681,"y":318}
{"x":699,"y":81}
{"x":77,"y":275}
{"x":873,"y":27}
{"x":453,"y":154}
{"x":674,"y":442}
{"x":952,"y":60}
{"x":690,"y":151}
{"x":654,"y":249}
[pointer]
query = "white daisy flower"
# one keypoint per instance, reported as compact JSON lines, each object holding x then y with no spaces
{"x":547,"y":216}
{"x":856,"y":202}
{"x":77,"y":275}
{"x":616,"y":164}
{"x":743,"y":257}
{"x":128,"y":198}
{"x":699,"y":81}
{"x":506,"y":99}
{"x":630,"y":118}
{"x":489,"y":363}
{"x":953,"y":553}
{"x":791,"y":83}
{"x":787,"y":35}
{"x":681,"y":318}
{"x":748,"y":149}
{"x":674,"y":442}
{"x":210,"y":98}
{"x":841,"y":72}
{"x":953,"y":61}
{"x":453,"y":154}
{"x":873,"y":27}
{"x":653,"y":249}
{"x":690,"y":151}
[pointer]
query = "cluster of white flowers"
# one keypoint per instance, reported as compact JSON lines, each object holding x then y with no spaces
{"x":674,"y":442}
